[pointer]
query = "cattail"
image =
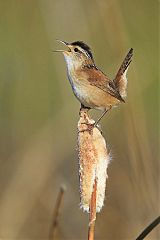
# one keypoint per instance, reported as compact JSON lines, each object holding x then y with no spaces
{"x":93,"y":162}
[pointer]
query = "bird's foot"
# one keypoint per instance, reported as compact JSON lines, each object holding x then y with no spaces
{"x":90,"y":127}
{"x":87,"y":127}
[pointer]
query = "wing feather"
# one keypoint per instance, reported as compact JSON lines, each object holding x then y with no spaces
{"x":98,"y":79}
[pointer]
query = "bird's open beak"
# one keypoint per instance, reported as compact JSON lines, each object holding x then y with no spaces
{"x":65,"y":43}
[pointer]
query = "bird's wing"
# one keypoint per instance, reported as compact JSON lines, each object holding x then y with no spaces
{"x":98,"y":79}
{"x":120,"y":80}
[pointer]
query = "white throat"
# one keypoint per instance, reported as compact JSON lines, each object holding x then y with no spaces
{"x":72,"y":62}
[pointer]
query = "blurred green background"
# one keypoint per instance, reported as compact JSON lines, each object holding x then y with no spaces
{"x":39,"y":114}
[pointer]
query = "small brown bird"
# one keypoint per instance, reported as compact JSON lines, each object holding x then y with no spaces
{"x":90,"y":85}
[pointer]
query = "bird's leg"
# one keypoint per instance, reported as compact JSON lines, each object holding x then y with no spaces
{"x":99,"y":119}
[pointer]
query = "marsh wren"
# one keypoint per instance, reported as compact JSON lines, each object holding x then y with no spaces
{"x":90,"y":85}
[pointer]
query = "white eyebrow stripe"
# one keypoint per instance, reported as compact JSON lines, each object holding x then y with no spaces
{"x":85,"y":52}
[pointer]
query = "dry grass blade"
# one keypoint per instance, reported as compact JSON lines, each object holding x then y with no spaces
{"x":57,"y":209}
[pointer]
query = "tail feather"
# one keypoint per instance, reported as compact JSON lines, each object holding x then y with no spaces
{"x":120,"y":80}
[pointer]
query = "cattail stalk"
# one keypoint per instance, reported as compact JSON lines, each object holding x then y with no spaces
{"x":93,"y":162}
{"x":92,"y":213}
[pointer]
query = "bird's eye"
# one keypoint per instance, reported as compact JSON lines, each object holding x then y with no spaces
{"x":76,"y":49}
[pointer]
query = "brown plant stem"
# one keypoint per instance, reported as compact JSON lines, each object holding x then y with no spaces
{"x":92,"y":213}
{"x":57,"y":209}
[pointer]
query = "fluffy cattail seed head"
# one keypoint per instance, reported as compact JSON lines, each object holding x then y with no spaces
{"x":93,"y":162}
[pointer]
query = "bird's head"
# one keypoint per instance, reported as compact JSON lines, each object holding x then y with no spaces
{"x":77,"y":54}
